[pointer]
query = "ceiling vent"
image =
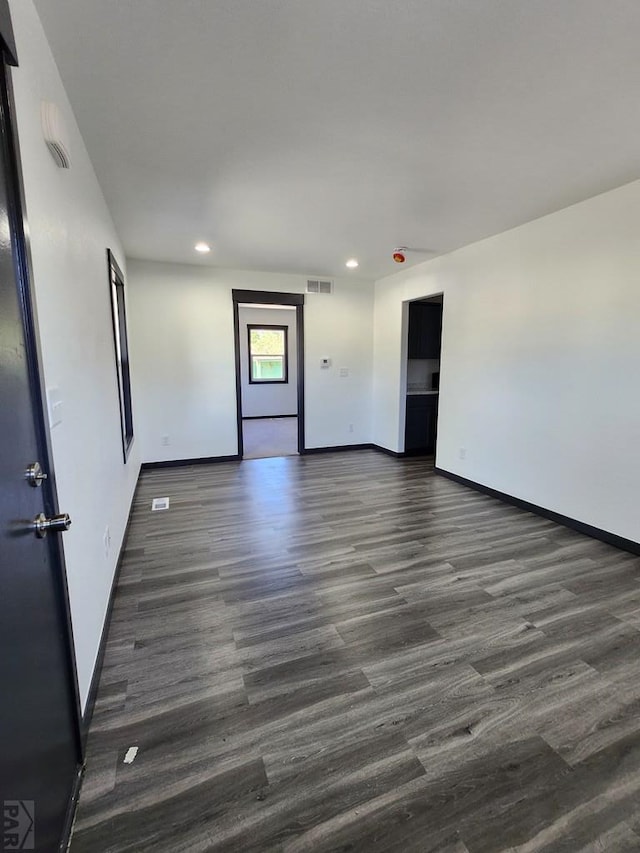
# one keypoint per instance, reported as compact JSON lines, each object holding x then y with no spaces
{"x":55,"y":134}
{"x":315,"y":285}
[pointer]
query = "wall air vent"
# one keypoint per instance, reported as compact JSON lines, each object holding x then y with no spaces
{"x":315,"y":285}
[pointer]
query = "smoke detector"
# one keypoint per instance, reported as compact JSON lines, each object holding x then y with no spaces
{"x":400,"y":253}
{"x":55,"y":134}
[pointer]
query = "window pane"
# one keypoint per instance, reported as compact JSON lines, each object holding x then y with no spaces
{"x":267,"y":353}
{"x":267,"y":342}
{"x":116,"y":283}
{"x":122,"y":351}
{"x":267,"y":367}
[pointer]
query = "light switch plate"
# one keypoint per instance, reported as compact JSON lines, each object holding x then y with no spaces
{"x":54,"y":404}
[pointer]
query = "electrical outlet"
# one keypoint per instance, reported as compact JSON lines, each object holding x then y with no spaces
{"x":463,"y":453}
{"x":350,"y":427}
{"x":165,"y":441}
{"x":107,"y":541}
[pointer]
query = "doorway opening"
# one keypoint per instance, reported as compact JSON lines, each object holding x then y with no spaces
{"x":269,"y":344}
{"x":424,"y":336}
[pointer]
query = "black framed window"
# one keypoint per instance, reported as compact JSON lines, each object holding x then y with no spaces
{"x":119,"y":315}
{"x":268,"y":348}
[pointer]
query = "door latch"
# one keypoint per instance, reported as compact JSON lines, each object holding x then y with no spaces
{"x":56,"y":524}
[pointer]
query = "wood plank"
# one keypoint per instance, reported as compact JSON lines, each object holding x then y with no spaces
{"x":348,"y":652}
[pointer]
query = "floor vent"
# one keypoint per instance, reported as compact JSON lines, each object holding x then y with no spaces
{"x":315,"y":285}
{"x":159,"y":503}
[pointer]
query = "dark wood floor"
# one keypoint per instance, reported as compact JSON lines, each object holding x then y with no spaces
{"x":348,"y":652}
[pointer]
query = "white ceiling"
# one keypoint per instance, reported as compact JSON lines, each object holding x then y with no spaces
{"x":294,"y":134}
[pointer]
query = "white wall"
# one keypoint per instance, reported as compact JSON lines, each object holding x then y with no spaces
{"x":540,"y":359}
{"x":70,"y":229}
{"x":181,"y":320}
{"x":260,"y":401}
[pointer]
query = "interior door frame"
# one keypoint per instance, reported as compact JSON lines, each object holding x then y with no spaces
{"x":23,"y":273}
{"x":402,"y":414}
{"x":263,"y":297}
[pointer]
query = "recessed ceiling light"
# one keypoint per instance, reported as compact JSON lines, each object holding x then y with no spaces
{"x":202,"y":247}
{"x":351,"y":263}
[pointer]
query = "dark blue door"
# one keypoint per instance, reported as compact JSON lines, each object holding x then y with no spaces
{"x":40,"y":750}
